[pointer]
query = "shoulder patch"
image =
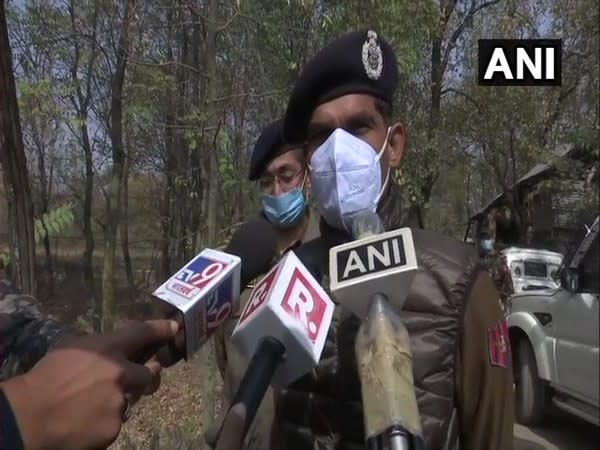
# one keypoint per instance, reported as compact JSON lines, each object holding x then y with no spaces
{"x":499,"y":345}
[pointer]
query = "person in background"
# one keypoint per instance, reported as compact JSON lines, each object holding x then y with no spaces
{"x":280,"y":172}
{"x":497,"y":266}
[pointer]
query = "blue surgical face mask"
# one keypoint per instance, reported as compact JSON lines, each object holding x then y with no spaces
{"x":487,"y":244}
{"x":285,"y":210}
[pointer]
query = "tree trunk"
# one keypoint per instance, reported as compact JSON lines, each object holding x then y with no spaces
{"x":210,"y":377}
{"x":16,"y":176}
{"x":196,"y":223}
{"x":81,"y":101}
{"x":88,"y":252}
{"x":213,"y":165}
{"x":118,"y":159}
{"x":44,"y":196}
{"x":125,"y":230}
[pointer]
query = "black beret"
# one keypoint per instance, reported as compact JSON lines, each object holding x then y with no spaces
{"x":360,"y":62}
{"x":269,"y":145}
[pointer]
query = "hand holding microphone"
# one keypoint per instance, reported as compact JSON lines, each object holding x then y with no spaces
{"x":75,"y":396}
{"x":204,"y":293}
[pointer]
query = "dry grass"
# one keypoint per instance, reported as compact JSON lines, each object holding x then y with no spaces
{"x":170,"y":419}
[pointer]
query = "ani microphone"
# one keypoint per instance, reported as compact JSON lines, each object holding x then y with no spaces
{"x":368,"y":276}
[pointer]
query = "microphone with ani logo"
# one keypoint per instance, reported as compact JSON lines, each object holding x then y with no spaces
{"x":371,"y":277}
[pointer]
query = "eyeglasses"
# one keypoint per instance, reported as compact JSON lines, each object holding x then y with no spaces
{"x":286,"y":180}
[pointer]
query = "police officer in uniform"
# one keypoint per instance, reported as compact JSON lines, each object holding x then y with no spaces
{"x":497,"y":266}
{"x":341,"y":108}
{"x":280,"y":171}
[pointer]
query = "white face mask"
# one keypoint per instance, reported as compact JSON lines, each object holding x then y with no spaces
{"x":345,"y":176}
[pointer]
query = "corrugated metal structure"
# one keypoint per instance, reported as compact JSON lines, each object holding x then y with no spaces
{"x":557,"y":199}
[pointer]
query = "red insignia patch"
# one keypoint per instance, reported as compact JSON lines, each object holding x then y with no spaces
{"x":499,"y":345}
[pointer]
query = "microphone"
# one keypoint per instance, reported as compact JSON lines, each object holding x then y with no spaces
{"x":205,"y":292}
{"x":385,"y":368}
{"x":367,"y":275}
{"x":282,"y":330}
{"x":383,"y":263}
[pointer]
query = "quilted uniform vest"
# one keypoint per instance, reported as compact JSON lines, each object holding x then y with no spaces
{"x":323,"y":410}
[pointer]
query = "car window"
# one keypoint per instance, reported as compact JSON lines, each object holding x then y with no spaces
{"x":589,"y":270}
{"x":535,"y":269}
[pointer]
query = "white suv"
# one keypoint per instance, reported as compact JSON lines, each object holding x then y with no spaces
{"x":532,"y":269}
{"x":555,"y":339}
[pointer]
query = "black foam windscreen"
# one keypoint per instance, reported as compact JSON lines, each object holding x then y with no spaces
{"x":311,"y":256}
{"x":314,"y":254}
{"x":255,"y":243}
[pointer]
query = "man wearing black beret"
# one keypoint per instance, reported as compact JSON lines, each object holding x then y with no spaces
{"x":280,"y":172}
{"x":341,"y":109}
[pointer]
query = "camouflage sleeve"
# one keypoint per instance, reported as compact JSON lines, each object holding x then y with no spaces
{"x":26,"y":334}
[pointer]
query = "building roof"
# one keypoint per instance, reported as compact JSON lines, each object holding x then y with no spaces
{"x":538,"y":173}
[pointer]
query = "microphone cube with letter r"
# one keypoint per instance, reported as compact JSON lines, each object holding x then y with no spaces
{"x":289,"y":305}
{"x":205,"y":291}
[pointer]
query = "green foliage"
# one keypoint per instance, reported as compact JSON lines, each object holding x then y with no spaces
{"x":53,"y":222}
{"x":4,"y":258}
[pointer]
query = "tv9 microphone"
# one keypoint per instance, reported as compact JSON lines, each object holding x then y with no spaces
{"x":282,"y":330}
{"x":368,"y":275}
{"x":205,"y":292}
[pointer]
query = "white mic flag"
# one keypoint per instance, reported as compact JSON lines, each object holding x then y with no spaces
{"x":289,"y":305}
{"x":206,"y":291}
{"x":379,"y":264}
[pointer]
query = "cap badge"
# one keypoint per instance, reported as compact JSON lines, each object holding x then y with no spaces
{"x":372,"y":58}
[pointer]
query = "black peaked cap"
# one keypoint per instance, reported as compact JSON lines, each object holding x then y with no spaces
{"x":359,"y":62}
{"x":269,"y":145}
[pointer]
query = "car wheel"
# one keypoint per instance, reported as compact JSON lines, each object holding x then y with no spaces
{"x":529,"y":388}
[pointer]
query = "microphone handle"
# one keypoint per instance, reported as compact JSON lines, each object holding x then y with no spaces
{"x":399,"y":440}
{"x":396,"y":438}
{"x":257,"y":378}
